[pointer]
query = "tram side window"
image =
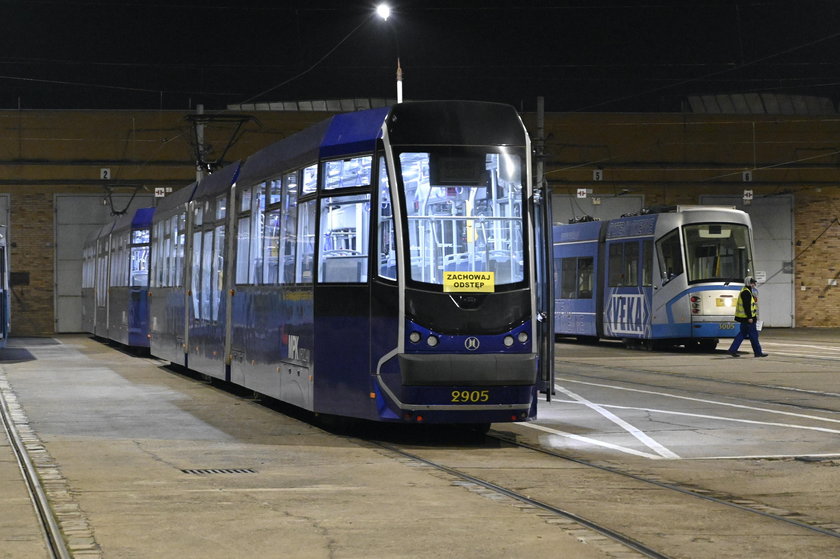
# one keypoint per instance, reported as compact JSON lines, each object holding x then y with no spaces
{"x":669,"y":251}
{"x":139,"y":273}
{"x":179,"y":243}
{"x":344,"y":245}
{"x":271,"y":234}
{"x":310,"y":179}
{"x":218,"y":272}
{"x":305,"y":242}
{"x":243,"y":236}
{"x":255,"y":269}
{"x":101,"y":278}
{"x":206,"y":275}
{"x":574,"y":277}
{"x":345,"y":173}
{"x":119,"y":263}
{"x":386,"y":242}
{"x":267,"y":232}
{"x":288,"y":228}
{"x":139,"y":258}
{"x":271,"y":247}
{"x":160,"y":257}
{"x":87,"y":269}
{"x":196,"y":273}
{"x":274,"y":191}
{"x":113,"y":256}
{"x":624,"y":264}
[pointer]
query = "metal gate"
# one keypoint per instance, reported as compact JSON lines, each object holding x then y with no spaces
{"x":772,"y":221}
{"x":76,"y":215}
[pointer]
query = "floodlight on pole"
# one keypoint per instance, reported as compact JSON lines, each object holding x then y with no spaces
{"x":384,"y":11}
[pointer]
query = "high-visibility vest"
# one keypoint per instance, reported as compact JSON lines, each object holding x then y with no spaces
{"x":739,"y":308}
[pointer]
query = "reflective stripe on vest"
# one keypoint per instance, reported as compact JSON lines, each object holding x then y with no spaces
{"x":739,"y":308}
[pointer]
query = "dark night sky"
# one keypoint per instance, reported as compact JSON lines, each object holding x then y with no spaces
{"x":581,"y":55}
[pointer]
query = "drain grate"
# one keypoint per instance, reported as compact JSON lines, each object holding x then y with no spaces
{"x":207,"y":471}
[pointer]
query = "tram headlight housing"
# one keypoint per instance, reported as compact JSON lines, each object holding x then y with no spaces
{"x":695,"y":304}
{"x":508,"y":341}
{"x":414,"y":337}
{"x":522,"y":337}
{"x":432,"y":341}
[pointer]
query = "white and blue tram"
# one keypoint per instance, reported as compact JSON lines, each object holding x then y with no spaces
{"x":378,"y":265}
{"x":115,"y":280}
{"x":5,"y":298}
{"x":669,"y":276}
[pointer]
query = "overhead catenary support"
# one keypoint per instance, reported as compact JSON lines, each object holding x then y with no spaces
{"x":204,"y":165}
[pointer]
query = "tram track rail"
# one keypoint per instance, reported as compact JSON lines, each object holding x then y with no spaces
{"x":601,"y":529}
{"x":49,"y":524}
{"x":604,"y":526}
{"x":699,"y":493}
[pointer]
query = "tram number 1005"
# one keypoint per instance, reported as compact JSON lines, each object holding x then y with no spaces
{"x":470,"y":396}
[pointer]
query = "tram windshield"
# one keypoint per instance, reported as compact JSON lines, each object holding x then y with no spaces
{"x":717,"y":251}
{"x":465,"y":213}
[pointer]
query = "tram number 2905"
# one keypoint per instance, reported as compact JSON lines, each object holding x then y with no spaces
{"x":470,"y":396}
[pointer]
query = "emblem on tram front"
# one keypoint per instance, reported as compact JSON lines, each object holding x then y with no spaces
{"x":472,"y":343}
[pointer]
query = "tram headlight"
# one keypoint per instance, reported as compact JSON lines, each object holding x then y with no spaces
{"x":522,"y":337}
{"x":414,"y":337}
{"x":432,"y":341}
{"x":508,"y":341}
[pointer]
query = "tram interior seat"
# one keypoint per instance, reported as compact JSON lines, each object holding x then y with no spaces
{"x":458,"y":262}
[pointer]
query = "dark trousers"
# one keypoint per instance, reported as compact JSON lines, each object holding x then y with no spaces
{"x":748,"y":330}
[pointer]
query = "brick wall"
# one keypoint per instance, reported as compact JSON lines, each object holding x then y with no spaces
{"x":676,"y":158}
{"x":817,"y":250}
{"x":32,"y":252}
{"x":670,"y":158}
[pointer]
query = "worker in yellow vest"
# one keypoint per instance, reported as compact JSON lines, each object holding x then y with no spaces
{"x":746,"y":313}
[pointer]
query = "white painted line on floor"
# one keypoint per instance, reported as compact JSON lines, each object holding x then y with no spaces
{"x":704,"y":401}
{"x":588,"y":440}
{"x":806,"y":355}
{"x":801,"y":346}
{"x":638,"y":433}
{"x":714,"y":417}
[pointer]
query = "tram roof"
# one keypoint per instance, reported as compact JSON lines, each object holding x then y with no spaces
{"x":141,"y":217}
{"x":351,"y":133}
{"x":341,"y":134}
{"x":218,"y":182}
{"x":176,"y":199}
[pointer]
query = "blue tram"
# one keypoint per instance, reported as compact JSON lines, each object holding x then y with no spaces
{"x":378,"y":265}
{"x":115,"y":280}
{"x":5,"y":299}
{"x":669,"y":276}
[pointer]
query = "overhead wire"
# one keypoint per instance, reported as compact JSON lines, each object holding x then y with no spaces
{"x":313,"y":66}
{"x":712,"y":74}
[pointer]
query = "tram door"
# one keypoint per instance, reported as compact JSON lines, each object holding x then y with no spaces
{"x":342,"y":301}
{"x":628,"y":288}
{"x":545,"y":289}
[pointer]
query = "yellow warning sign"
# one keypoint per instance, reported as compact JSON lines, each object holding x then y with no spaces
{"x":469,"y":281}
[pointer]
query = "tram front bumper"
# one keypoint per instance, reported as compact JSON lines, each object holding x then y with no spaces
{"x":485,"y":369}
